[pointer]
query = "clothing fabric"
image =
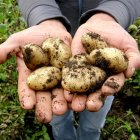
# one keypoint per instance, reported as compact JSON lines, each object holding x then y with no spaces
{"x":67,"y":11}
{"x":90,"y":124}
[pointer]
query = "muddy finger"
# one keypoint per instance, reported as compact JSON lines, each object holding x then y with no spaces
{"x":43,"y":108}
{"x":78,"y":102}
{"x":95,"y":101}
{"x":113,"y":84}
{"x":59,"y":104}
{"x":26,"y":95}
{"x":68,"y":96}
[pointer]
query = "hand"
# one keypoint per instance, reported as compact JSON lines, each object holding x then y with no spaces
{"x":45,"y":103}
{"x":115,"y":36}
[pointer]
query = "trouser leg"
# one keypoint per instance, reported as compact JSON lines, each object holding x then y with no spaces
{"x":62,"y":126}
{"x":90,"y":123}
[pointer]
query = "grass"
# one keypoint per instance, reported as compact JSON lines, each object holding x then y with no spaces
{"x":123,"y":121}
{"x":15,"y":123}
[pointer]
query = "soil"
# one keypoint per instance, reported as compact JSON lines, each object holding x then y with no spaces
{"x":124,"y":102}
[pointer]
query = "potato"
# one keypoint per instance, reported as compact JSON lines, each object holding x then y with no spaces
{"x":44,"y":78}
{"x":79,"y":60}
{"x":112,"y":60}
{"x":58,"y":51}
{"x":82,"y":77}
{"x":92,"y":41}
{"x":34,"y":57}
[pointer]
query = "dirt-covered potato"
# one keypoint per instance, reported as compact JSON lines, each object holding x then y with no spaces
{"x":93,"y":41}
{"x":79,"y":76}
{"x":112,"y":60}
{"x":44,"y":78}
{"x":82,"y":73}
{"x":79,"y":60}
{"x":34,"y":57}
{"x":58,"y":51}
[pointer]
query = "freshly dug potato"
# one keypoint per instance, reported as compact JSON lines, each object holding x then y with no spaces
{"x":93,"y":41}
{"x":81,"y":77}
{"x":112,"y":60}
{"x":59,"y":53}
{"x":76,"y":61}
{"x":44,"y":78}
{"x":34,"y":57}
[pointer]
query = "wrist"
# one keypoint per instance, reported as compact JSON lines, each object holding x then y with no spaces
{"x":53,"y":23}
{"x":101,"y":17}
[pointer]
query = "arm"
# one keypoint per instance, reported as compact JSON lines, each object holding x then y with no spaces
{"x":37,"y":11}
{"x":123,"y":11}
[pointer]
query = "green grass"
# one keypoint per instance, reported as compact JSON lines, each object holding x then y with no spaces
{"x":15,"y":123}
{"x":18,"y":124}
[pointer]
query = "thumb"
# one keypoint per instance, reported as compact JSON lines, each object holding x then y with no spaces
{"x":9,"y":48}
{"x":134,"y":63}
{"x":76,"y":45}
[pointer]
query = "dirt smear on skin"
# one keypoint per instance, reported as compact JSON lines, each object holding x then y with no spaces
{"x":112,"y":84}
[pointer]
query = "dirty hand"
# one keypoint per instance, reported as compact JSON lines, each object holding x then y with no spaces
{"x":44,"y":102}
{"x":116,"y":37}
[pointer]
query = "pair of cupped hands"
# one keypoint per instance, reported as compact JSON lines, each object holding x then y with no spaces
{"x":58,"y":101}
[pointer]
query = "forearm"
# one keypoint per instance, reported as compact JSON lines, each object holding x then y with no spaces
{"x":123,"y":11}
{"x":53,"y":23}
{"x":38,"y":11}
{"x":101,"y":16}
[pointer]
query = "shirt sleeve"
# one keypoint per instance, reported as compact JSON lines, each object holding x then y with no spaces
{"x":36,"y":11}
{"x":124,"y":11}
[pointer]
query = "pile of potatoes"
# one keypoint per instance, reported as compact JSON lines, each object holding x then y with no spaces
{"x":46,"y":62}
{"x":53,"y":64}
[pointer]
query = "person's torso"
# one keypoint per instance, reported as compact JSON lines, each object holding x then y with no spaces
{"x":73,"y":9}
